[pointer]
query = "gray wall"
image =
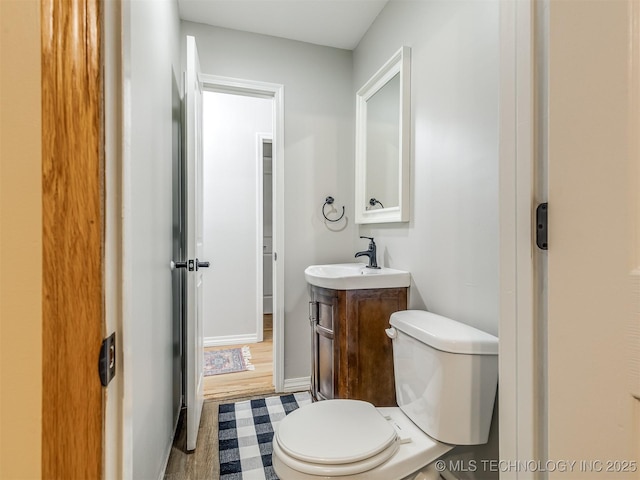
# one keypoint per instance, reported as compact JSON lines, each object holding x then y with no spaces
{"x":450,"y":246}
{"x":152,"y":73}
{"x":318,"y":144}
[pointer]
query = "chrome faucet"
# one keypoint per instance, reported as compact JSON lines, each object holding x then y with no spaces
{"x":370,"y":252}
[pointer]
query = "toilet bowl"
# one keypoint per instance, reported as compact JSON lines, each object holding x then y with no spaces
{"x":446,"y":379}
{"x":409,"y":453}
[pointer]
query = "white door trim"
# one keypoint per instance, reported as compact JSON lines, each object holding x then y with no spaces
{"x":517,"y":393}
{"x":126,"y":260}
{"x":276,"y":91}
{"x":114,"y":416}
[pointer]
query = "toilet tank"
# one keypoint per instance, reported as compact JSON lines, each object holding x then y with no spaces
{"x":446,"y":375}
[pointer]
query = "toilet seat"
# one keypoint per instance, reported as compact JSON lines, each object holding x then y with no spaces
{"x":412,"y":455}
{"x":335,"y":438}
{"x":337,"y":470}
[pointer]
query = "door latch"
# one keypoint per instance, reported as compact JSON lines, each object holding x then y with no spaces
{"x":190,"y":265}
{"x":107,"y":360}
{"x":541,"y":226}
{"x":200,"y":264}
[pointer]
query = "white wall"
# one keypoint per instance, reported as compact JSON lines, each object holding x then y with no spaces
{"x":230,"y":179}
{"x":318,"y":144}
{"x":151,"y":76}
{"x":450,"y":246}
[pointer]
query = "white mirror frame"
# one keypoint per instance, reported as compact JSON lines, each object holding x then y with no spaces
{"x":400,"y":63}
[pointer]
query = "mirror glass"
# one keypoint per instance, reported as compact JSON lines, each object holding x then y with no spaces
{"x":383,"y":144}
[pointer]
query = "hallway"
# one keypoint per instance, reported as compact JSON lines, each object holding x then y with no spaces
{"x":250,"y":382}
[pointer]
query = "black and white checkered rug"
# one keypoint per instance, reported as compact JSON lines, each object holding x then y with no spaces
{"x":245,"y":435}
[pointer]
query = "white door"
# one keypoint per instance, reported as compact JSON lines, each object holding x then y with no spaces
{"x":194,"y":336}
{"x":593,"y":347}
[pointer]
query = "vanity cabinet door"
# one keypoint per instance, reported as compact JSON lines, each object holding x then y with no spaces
{"x":324,"y":364}
{"x":370,"y":374}
{"x":352,"y":356}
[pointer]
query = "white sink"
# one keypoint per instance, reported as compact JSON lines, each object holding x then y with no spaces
{"x":355,"y":276}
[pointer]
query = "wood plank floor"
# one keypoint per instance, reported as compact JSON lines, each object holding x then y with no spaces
{"x":251,"y":382}
{"x":204,"y":462}
{"x":231,"y":387}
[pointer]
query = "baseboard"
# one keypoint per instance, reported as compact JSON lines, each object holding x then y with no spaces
{"x":297,"y":384}
{"x":267,"y":305}
{"x":230,"y":340}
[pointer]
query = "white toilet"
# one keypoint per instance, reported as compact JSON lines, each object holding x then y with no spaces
{"x":446,"y":376}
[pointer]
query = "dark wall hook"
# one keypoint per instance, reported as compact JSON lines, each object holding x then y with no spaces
{"x":373,"y":201}
{"x":329,"y":201}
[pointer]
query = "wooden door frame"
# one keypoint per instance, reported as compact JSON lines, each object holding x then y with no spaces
{"x":73,"y":238}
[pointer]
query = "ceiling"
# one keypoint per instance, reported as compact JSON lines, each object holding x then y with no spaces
{"x":334,"y":23}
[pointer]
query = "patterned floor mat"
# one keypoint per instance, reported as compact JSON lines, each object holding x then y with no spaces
{"x":228,"y":360}
{"x":246,"y":432}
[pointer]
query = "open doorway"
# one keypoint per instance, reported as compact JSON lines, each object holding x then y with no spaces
{"x":240,"y":197}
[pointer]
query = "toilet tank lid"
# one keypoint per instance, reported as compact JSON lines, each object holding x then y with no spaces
{"x":444,"y":333}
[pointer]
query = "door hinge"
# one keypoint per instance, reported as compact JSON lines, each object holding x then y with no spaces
{"x":107,"y":361}
{"x":541,"y":226}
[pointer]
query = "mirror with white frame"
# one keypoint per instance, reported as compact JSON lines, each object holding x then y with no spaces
{"x":383,"y":147}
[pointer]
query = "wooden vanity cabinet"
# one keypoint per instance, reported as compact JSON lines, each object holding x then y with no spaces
{"x":352,"y":356}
